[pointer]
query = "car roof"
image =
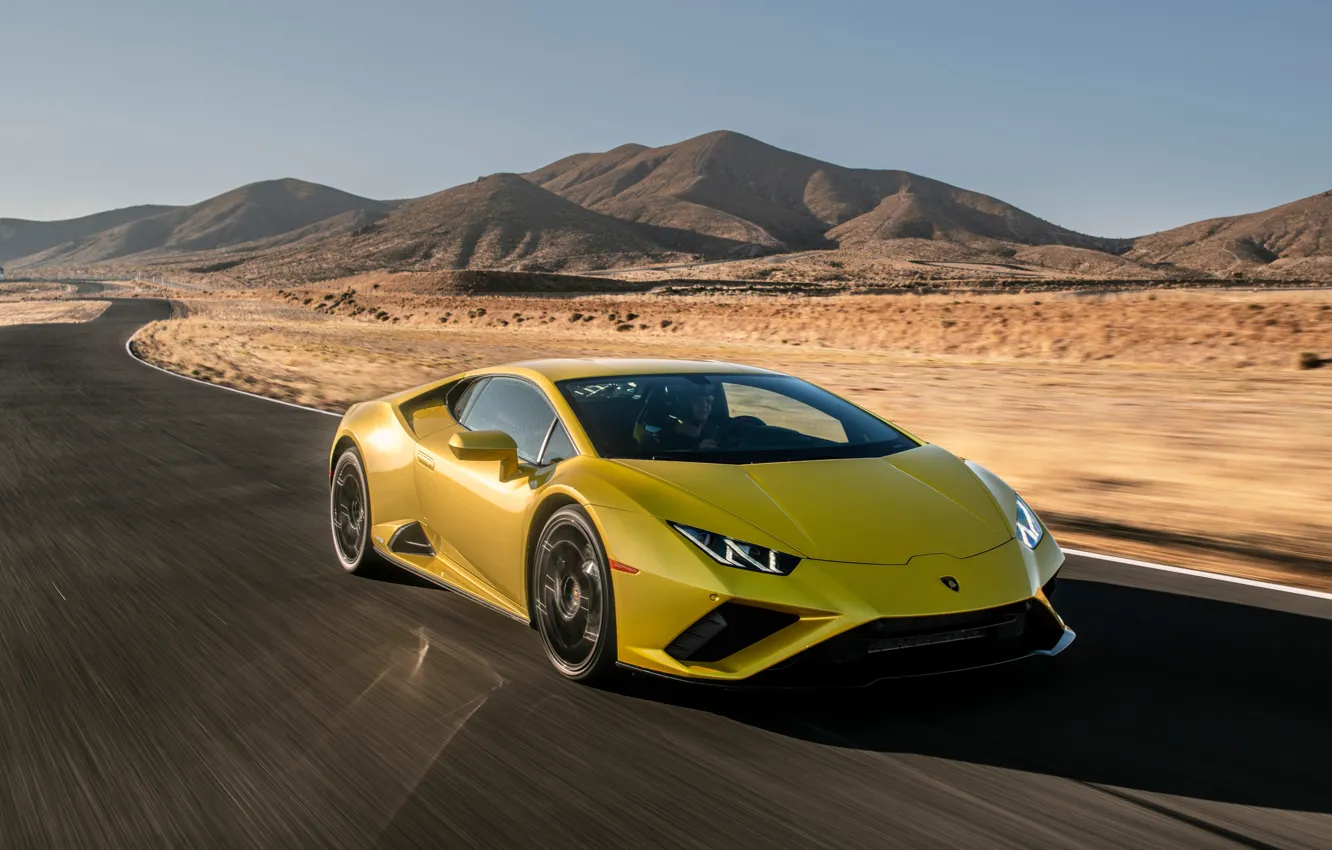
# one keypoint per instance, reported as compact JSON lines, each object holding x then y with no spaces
{"x":563,"y":369}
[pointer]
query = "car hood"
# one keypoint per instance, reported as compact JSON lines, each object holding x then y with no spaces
{"x":882,"y":510}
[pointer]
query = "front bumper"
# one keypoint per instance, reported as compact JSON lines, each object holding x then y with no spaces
{"x":862,"y":656}
{"x":828,"y":623}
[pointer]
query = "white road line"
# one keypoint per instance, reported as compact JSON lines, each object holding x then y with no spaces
{"x":130,"y":352}
{"x":1247,"y":582}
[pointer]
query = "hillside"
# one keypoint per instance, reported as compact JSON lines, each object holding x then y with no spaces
{"x":729,"y":185}
{"x":921,"y":208}
{"x":498,"y":222}
{"x":721,"y":196}
{"x":269,"y":212}
{"x":1290,"y":241}
{"x":21,"y":237}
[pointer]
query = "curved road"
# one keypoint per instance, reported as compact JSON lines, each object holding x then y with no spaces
{"x":182,"y":664}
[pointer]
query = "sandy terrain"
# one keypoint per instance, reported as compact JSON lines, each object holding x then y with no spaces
{"x":1200,"y":435}
{"x":914,"y":263}
{"x":33,"y":291}
{"x":1168,"y":328}
{"x":49,"y":312}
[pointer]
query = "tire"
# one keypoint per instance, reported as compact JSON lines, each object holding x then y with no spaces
{"x":573,"y":602}
{"x":349,"y":513}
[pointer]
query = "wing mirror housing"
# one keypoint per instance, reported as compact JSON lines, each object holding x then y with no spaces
{"x":487,"y":445}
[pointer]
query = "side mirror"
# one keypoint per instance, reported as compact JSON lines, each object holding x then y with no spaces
{"x":487,"y":445}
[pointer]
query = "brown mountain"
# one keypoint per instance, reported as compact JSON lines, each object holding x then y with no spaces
{"x":21,"y":237}
{"x":257,"y":215}
{"x":498,"y":222}
{"x":1290,"y":241}
{"x":718,"y":196}
{"x":918,"y":207}
{"x":729,"y":185}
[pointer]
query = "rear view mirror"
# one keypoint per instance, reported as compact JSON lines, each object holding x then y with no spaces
{"x":487,"y":445}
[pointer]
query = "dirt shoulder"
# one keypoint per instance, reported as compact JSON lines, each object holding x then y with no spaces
{"x":49,"y":312}
{"x":33,"y":291}
{"x":1197,"y":440}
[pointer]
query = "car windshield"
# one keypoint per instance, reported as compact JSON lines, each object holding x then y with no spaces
{"x":725,"y":419}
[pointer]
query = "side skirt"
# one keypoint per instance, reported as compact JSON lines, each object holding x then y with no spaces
{"x":398,"y":562}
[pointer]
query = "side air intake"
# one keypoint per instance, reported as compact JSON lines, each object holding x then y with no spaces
{"x":411,"y":540}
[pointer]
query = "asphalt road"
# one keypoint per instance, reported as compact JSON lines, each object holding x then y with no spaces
{"x":183,"y":664}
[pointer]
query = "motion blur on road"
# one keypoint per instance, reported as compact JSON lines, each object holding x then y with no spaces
{"x":183,"y":664}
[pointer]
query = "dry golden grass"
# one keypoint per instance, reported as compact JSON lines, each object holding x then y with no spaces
{"x":1207,"y":329}
{"x":1180,"y":448}
{"x":910,"y":262}
{"x":33,"y":290}
{"x":49,"y":312}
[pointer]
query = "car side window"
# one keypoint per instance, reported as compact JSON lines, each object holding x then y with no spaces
{"x":515,"y":407}
{"x":460,"y":395}
{"x":559,"y":446}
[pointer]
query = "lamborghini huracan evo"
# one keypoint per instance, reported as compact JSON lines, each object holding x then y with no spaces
{"x":699,"y":520}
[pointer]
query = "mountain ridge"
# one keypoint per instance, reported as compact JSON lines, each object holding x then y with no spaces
{"x":21,"y":237}
{"x":731,"y":185}
{"x":264,"y":210}
{"x":1282,"y":240}
{"x":718,"y":196}
{"x":498,"y":221}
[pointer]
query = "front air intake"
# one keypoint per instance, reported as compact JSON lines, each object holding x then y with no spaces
{"x":727,"y":629}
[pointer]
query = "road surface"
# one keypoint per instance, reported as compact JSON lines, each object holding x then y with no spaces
{"x":183,"y":664}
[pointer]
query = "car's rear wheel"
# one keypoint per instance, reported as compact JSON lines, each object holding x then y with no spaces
{"x":572,"y":597}
{"x":349,"y":513}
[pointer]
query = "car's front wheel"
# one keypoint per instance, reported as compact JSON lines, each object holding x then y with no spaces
{"x":573,"y":599}
{"x":349,"y":512}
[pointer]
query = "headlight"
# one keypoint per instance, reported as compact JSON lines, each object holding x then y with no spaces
{"x":1028,"y":529}
{"x":737,"y":553}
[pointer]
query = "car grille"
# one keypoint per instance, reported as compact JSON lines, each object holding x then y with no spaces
{"x":913,"y":646}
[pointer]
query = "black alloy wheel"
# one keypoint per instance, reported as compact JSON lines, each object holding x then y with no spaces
{"x":349,"y":512}
{"x":573,"y":599}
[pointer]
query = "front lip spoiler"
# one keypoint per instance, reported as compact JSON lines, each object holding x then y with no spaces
{"x":1062,"y":644}
{"x":744,"y":684}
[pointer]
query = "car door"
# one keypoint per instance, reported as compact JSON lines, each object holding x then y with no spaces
{"x":478,"y":515}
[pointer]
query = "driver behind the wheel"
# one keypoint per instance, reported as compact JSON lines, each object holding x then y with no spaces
{"x":677,"y":417}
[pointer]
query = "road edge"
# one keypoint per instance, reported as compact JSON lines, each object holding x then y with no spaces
{"x":129,"y":349}
{"x":1247,"y":582}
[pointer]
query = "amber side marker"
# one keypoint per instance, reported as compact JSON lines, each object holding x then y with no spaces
{"x":624,"y":568}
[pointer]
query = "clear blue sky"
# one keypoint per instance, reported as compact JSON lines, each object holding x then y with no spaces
{"x":1113,"y":118}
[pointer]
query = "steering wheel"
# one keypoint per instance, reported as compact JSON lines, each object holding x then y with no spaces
{"x":735,"y":427}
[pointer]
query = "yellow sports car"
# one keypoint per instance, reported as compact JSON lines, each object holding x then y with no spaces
{"x":699,"y":520}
